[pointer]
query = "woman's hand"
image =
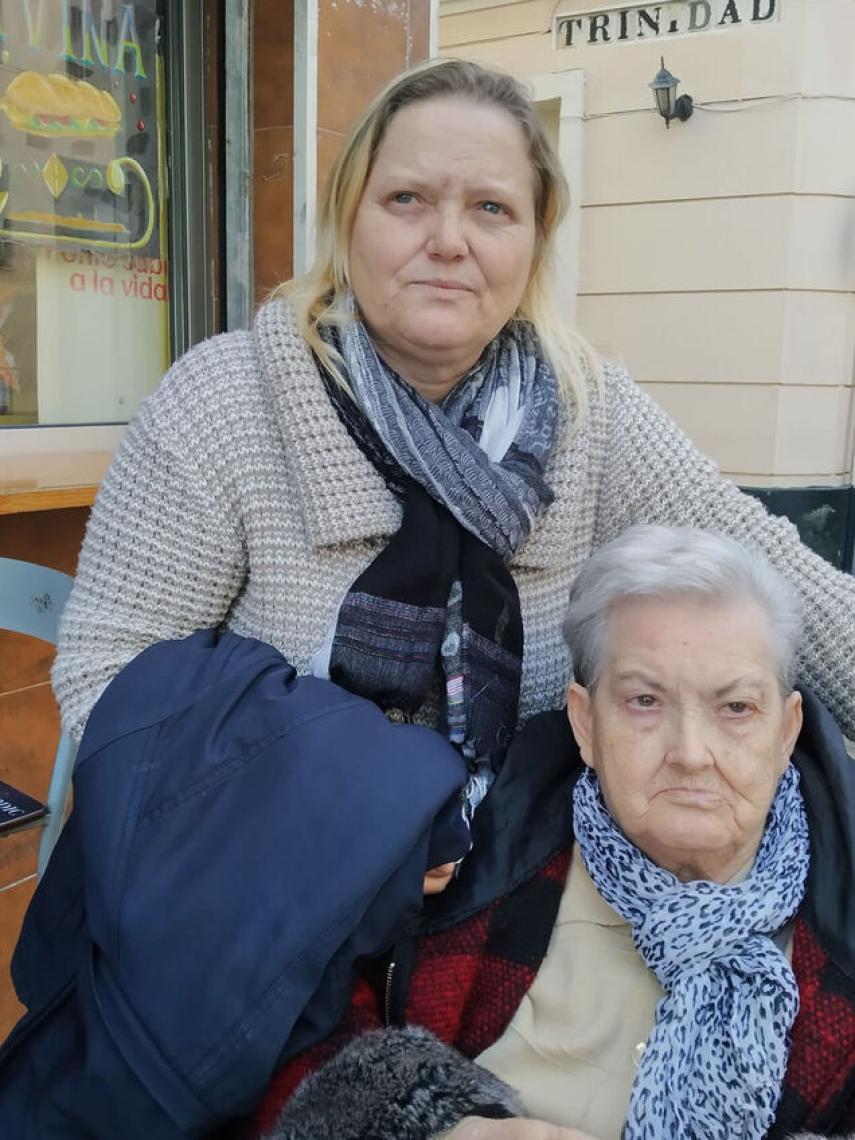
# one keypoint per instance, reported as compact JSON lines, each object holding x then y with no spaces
{"x":438,"y":879}
{"x":478,"y":1128}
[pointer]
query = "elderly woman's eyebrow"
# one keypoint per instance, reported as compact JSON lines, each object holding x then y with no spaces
{"x":637,"y":677}
{"x":747,"y":682}
{"x":744,"y":683}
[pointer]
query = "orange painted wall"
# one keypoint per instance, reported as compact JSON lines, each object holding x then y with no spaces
{"x":360,"y":48}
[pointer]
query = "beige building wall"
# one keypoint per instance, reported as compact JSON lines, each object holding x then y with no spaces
{"x":717,"y":258}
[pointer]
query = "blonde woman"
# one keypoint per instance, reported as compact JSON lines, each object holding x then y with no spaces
{"x":396,"y":474}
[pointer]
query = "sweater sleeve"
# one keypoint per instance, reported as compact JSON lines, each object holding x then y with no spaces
{"x":161,"y":558}
{"x":652,"y":473}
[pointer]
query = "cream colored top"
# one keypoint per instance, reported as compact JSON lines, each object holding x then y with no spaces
{"x":573,"y":1045}
{"x":570,"y":1049}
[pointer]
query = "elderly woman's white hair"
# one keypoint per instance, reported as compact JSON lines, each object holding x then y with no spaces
{"x":665,"y":562}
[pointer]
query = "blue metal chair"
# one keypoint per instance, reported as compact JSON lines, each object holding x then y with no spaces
{"x":31,"y":601}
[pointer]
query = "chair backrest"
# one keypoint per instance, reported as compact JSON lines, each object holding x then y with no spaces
{"x":31,"y":602}
{"x":31,"y":598}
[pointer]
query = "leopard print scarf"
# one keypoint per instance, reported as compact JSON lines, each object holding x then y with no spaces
{"x":713,"y":1067}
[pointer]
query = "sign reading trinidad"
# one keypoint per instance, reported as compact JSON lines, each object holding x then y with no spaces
{"x":630,"y":23}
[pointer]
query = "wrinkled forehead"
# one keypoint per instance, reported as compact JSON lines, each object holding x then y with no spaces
{"x":424,"y":135}
{"x":690,"y":641}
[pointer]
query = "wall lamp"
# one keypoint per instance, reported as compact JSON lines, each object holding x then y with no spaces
{"x":668,"y":103}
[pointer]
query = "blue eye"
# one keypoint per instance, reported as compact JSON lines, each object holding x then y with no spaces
{"x":404,"y":197}
{"x":493,"y":208}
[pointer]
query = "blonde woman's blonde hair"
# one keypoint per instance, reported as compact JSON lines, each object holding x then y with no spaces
{"x":319,"y":297}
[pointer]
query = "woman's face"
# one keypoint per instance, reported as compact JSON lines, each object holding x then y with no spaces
{"x":443,"y":238}
{"x":688,"y":731}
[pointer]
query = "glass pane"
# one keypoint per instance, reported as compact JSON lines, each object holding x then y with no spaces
{"x":84,"y":310}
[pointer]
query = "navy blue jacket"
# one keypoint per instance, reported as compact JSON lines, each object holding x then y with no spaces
{"x":240,"y":837}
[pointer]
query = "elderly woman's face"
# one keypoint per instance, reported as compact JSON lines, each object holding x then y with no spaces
{"x":443,"y":238}
{"x":688,"y":731}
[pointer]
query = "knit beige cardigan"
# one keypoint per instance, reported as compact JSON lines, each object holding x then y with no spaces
{"x":237,"y":498}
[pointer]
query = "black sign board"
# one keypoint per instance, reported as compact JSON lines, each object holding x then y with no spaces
{"x":630,"y":23}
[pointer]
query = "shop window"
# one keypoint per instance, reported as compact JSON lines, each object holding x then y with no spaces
{"x":84,"y":266}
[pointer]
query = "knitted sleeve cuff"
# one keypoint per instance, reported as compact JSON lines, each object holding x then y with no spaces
{"x":393,"y":1084}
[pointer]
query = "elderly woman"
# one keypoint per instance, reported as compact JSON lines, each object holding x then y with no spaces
{"x":396,"y":475}
{"x":686,"y":967}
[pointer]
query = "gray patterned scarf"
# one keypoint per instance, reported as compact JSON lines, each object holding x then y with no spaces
{"x":482,"y":451}
{"x":440,"y":599}
{"x":714,"y":1064}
